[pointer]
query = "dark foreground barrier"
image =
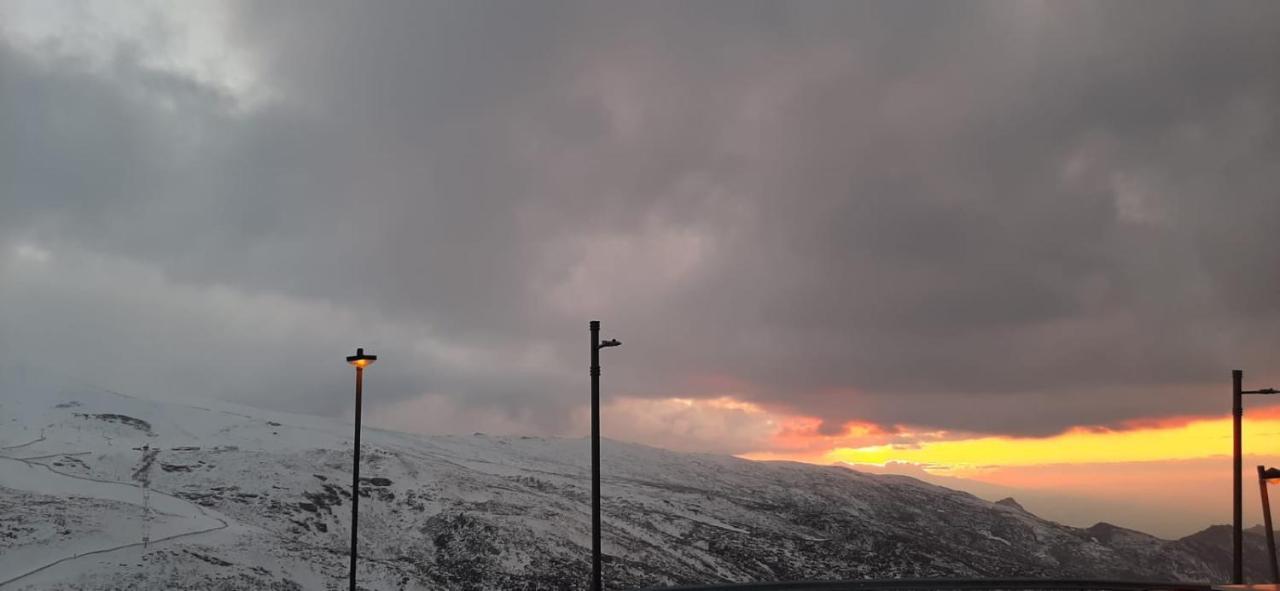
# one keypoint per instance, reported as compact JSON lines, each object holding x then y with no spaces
{"x":952,"y":584}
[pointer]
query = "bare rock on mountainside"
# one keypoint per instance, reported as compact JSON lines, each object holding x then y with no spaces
{"x":1010,"y":502}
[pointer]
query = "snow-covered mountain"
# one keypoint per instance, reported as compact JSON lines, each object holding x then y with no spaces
{"x":246,"y":499}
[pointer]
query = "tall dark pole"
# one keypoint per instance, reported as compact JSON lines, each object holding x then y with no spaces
{"x":355,"y":475}
{"x":1266,"y":522}
{"x":359,"y":361}
{"x":1237,"y":531}
{"x":595,"y":456}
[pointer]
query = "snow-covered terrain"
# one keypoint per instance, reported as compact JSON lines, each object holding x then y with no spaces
{"x":247,"y":499}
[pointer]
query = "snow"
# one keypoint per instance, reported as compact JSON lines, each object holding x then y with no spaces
{"x":261,"y":500}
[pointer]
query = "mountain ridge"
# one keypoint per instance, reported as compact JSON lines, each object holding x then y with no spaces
{"x":487,"y":512}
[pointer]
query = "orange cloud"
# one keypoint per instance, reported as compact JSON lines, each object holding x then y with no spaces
{"x":803,"y":434}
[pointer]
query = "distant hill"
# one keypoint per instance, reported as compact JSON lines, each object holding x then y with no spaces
{"x":261,"y":500}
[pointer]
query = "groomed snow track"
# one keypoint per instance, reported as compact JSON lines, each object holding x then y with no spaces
{"x":28,"y":462}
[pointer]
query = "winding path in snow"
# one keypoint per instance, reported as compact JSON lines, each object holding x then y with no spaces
{"x":36,"y":440}
{"x":57,"y":482}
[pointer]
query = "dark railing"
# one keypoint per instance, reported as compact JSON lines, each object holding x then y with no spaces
{"x":948,"y":584}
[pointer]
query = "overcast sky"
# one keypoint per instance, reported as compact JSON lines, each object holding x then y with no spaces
{"x":986,"y":218}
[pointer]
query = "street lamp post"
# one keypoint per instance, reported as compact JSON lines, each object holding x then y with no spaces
{"x":360,"y":361}
{"x":1266,"y":475}
{"x":1237,"y":528}
{"x":596,"y":345}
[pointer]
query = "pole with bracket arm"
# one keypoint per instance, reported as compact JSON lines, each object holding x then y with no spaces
{"x":1237,"y":460}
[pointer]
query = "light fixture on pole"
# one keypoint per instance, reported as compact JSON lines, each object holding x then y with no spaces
{"x":359,"y":361}
{"x":596,"y":346}
{"x":1237,"y":526}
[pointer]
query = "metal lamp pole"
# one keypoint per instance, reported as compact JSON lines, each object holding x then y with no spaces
{"x":596,"y":345}
{"x":360,"y":361}
{"x":1265,"y":476}
{"x":1237,"y":528}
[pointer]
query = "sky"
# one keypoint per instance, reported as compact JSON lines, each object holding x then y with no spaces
{"x":1011,"y":246}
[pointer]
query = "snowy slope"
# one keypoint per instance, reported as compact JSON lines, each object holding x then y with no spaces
{"x":260,"y":500}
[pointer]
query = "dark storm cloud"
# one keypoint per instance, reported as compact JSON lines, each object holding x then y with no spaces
{"x":1009,"y":217}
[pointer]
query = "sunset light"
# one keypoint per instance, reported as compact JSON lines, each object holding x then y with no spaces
{"x":911,"y":293}
{"x":1184,"y":439}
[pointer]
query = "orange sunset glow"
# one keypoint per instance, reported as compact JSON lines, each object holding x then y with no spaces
{"x":1144,"y":441}
{"x":773,"y":435}
{"x":1167,"y":475}
{"x":640,"y":295}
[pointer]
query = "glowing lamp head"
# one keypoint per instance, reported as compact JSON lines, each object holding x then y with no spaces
{"x":360,"y":360}
{"x":1271,"y":475}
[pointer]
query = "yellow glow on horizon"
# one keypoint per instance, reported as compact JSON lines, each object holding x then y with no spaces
{"x":1182,"y":440}
{"x":777,"y":435}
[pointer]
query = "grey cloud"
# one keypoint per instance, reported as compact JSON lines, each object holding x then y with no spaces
{"x":985,"y":217}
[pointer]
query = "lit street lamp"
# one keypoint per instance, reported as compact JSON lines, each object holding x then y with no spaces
{"x":596,"y":346}
{"x":1266,"y":475}
{"x":360,"y":361}
{"x":1237,"y":527}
